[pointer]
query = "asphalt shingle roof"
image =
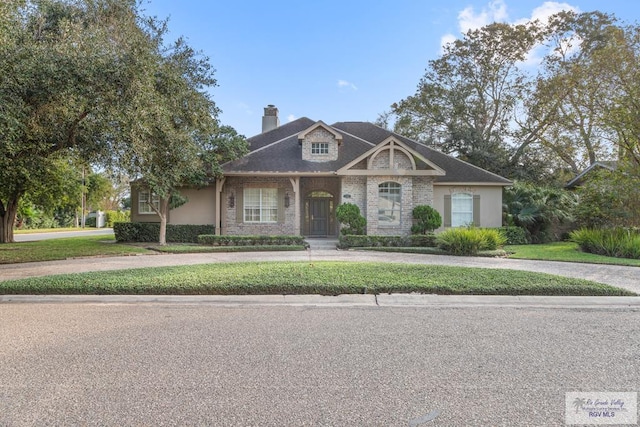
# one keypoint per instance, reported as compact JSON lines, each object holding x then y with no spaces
{"x":279,"y":151}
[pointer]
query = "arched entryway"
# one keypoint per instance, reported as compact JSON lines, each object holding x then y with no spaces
{"x":319,"y":214}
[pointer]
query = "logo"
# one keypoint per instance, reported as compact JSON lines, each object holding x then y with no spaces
{"x":601,"y":408}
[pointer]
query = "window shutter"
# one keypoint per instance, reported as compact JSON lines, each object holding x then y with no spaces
{"x":447,"y":210}
{"x":476,"y":210}
{"x":239,"y":208}
{"x":281,"y":205}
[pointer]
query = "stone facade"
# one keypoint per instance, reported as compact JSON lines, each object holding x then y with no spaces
{"x":320,"y":135}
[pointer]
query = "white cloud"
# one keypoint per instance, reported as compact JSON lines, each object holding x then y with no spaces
{"x":445,"y":40}
{"x":291,"y":117}
{"x":495,"y":11}
{"x":346,"y":84}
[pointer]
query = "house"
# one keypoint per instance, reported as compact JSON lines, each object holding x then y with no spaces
{"x":579,"y":179}
{"x":295,"y":176}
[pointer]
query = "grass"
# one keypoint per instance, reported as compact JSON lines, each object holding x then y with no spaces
{"x":564,"y":251}
{"x":325,"y":278}
{"x":49,"y":230}
{"x":71,"y":247}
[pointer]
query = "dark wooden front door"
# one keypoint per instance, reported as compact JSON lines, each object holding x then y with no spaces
{"x":319,"y":210}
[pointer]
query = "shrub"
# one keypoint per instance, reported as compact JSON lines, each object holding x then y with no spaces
{"x":150,"y":232}
{"x":90,"y":221}
{"x":359,"y":241}
{"x":213,"y":240}
{"x":427,"y":219}
{"x":515,"y":235}
{"x":349,"y":216}
{"x":112,"y":217}
{"x":613,"y":242}
{"x":469,"y":241}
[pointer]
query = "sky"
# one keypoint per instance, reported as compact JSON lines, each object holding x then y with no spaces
{"x":335,"y":60}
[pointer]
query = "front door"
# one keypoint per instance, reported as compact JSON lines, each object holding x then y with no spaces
{"x":319,"y":210}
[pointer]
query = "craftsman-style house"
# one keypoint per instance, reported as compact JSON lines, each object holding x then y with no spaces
{"x":296,"y":174}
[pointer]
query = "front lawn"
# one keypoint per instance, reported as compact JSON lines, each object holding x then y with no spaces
{"x":324,"y":278}
{"x":69,"y":247}
{"x":564,"y":251}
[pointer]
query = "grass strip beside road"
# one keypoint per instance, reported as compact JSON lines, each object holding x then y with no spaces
{"x":68,"y":247}
{"x":324,"y":278}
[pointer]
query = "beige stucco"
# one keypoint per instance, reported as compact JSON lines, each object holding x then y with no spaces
{"x":199,"y":209}
{"x":490,"y":201}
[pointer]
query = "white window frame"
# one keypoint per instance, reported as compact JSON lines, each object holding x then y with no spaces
{"x":319,"y":148}
{"x":145,"y":199}
{"x":260,"y":205}
{"x":395,"y":212}
{"x":461,"y":215}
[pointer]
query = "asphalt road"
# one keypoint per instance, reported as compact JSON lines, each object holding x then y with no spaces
{"x":153,"y":364}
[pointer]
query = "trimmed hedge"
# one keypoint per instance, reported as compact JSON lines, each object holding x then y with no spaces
{"x":261,"y":240}
{"x":515,"y":235}
{"x":150,"y":232}
{"x":372,"y":241}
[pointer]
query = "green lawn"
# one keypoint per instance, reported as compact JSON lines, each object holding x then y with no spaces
{"x":71,"y":247}
{"x":564,"y":251}
{"x":48,"y":230}
{"x":325,"y":278}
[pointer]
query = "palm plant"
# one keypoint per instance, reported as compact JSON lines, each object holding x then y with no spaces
{"x":536,"y":208}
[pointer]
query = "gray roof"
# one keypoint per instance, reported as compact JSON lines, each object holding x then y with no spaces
{"x":279,"y":152}
{"x":604,"y":164}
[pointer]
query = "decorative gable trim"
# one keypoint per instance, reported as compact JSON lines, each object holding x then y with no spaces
{"x":320,"y":124}
{"x":392,"y":145}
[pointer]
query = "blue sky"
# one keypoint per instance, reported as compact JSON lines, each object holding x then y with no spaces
{"x":334,"y":60}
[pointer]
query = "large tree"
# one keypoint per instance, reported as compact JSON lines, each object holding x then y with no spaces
{"x":489,"y":102}
{"x":67,"y":75}
{"x":178,"y":141}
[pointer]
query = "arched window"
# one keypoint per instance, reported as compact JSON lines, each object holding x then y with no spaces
{"x":389,"y":203}
{"x":461,"y":209}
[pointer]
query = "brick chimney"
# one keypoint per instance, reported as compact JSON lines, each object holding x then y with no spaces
{"x":270,"y":119}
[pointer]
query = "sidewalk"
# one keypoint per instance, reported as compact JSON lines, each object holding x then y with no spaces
{"x":620,"y":276}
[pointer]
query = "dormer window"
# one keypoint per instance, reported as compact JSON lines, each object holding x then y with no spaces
{"x":320,"y":148}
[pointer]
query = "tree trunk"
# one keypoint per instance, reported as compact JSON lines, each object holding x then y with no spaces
{"x":8,"y":219}
{"x":164,"y":209}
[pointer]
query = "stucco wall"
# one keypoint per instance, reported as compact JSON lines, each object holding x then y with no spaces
{"x":200,"y":207}
{"x":490,"y":201}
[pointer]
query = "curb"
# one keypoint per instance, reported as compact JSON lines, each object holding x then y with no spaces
{"x":355,"y":300}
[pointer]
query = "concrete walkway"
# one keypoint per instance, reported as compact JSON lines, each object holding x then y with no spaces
{"x":620,"y":276}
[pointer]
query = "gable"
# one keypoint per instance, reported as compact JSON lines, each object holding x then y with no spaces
{"x":391,"y":157}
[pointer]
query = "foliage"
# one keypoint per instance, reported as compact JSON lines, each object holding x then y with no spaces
{"x":427,"y":219}
{"x":514,"y":235}
{"x":613,"y":242}
{"x":537,"y":208}
{"x":93,"y":80}
{"x":111,"y":217}
{"x":484,"y":102}
{"x":348,"y":215}
{"x":609,"y":199}
{"x":260,"y":240}
{"x":469,"y":241}
{"x":324,"y":278}
{"x":150,"y":231}
{"x":67,"y":76}
{"x":369,"y":241}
